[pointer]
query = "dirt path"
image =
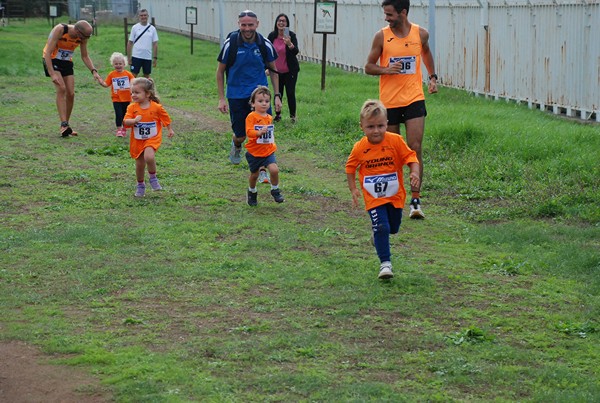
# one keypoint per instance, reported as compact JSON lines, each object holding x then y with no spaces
{"x":26,"y":376}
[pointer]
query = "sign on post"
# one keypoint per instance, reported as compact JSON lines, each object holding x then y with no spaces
{"x":53,"y":12}
{"x":325,"y":23}
{"x":191,"y":18}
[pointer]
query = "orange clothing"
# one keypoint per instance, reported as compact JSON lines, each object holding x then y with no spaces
{"x":260,"y":146}
{"x":398,"y":90}
{"x":120,"y":85}
{"x":380,"y":169}
{"x":148,"y":131}
{"x":65,"y":47}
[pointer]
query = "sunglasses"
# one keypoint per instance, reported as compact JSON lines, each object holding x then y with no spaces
{"x":247,"y":14}
{"x":82,"y":35}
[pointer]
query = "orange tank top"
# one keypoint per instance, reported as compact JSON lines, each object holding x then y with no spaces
{"x":65,"y":47}
{"x":398,"y":90}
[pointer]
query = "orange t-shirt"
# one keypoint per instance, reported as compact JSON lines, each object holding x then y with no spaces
{"x":380,"y":169}
{"x":120,"y":85}
{"x":148,"y":131}
{"x":260,"y":146}
{"x":65,"y":47}
{"x":406,"y":87}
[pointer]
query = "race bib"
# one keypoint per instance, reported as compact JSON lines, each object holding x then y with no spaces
{"x":385,"y":185}
{"x":268,"y":137}
{"x":64,"y":54}
{"x":408,"y":64}
{"x":121,"y":83}
{"x":145,"y":130}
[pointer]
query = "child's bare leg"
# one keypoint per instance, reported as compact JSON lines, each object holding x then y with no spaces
{"x":274,"y":171}
{"x":252,"y":179}
{"x":140,"y":167}
{"x":150,"y":158}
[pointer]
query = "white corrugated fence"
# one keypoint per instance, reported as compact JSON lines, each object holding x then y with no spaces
{"x":543,"y":53}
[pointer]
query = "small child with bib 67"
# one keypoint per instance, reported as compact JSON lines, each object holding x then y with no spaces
{"x":380,"y":157}
{"x":119,"y":80}
{"x":146,"y":117}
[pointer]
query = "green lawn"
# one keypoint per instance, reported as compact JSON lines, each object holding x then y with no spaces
{"x":190,"y":295}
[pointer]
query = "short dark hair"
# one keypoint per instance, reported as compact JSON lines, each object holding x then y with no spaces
{"x":398,"y":5}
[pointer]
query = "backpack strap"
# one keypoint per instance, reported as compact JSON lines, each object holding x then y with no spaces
{"x":234,"y":38}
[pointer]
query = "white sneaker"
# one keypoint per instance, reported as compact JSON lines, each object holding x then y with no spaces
{"x":415,"y":209}
{"x":263,"y":176}
{"x":385,"y":271}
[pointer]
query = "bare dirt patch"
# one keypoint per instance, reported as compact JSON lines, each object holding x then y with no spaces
{"x":26,"y":376}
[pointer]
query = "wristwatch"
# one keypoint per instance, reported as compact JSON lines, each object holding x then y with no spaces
{"x":433,"y":76}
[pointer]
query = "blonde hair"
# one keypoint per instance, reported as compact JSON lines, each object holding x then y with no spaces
{"x":261,"y":89}
{"x":148,"y":86}
{"x":371,"y":108}
{"x":118,"y":55}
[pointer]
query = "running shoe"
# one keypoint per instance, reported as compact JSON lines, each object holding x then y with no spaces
{"x":415,"y":209}
{"x":385,"y":271}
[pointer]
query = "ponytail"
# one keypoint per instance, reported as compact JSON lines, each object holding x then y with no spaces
{"x":148,"y":85}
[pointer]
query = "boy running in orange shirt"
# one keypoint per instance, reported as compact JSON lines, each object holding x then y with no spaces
{"x":120,"y":82}
{"x":379,"y":158}
{"x":260,"y":148}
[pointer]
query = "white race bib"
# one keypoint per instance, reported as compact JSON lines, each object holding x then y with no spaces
{"x":385,"y":185}
{"x":268,"y":137}
{"x":64,"y":54}
{"x":145,"y":130}
{"x":120,"y":83}
{"x":408,"y":64}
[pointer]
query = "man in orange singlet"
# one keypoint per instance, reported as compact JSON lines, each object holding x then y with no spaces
{"x":58,"y":65}
{"x":400,"y":48}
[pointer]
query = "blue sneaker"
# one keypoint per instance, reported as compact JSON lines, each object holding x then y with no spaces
{"x":154,"y":183}
{"x":140,"y":191}
{"x":235,"y":155}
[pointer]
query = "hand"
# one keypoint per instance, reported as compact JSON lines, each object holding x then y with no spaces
{"x":223,"y":106}
{"x":278,"y":104}
{"x":138,"y":118}
{"x":394,"y":68}
{"x":56,"y":78}
{"x":415,"y":181}
{"x":171,"y":133}
{"x":355,"y":196}
{"x":432,"y":86}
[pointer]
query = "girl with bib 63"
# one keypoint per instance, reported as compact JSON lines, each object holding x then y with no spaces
{"x":146,"y":117}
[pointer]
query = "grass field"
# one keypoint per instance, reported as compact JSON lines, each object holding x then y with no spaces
{"x":190,"y":295}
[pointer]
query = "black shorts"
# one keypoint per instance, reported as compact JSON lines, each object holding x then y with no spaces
{"x":254,"y":163}
{"x":137,"y":65}
{"x":64,"y":67}
{"x":404,"y":113}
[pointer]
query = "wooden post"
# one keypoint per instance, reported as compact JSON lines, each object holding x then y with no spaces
{"x":125,"y":30}
{"x":323,"y":62}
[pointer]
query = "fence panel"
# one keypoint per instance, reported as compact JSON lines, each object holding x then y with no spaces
{"x":542,"y":52}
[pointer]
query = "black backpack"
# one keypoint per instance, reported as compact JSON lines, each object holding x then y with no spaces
{"x":233,"y":47}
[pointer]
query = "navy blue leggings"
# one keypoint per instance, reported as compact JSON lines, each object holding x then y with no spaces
{"x":385,"y":220}
{"x":120,"y":109}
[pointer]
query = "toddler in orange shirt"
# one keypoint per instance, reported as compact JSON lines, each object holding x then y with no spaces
{"x":146,"y":117}
{"x":260,"y":148}
{"x":119,"y":81}
{"x":379,"y":158}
